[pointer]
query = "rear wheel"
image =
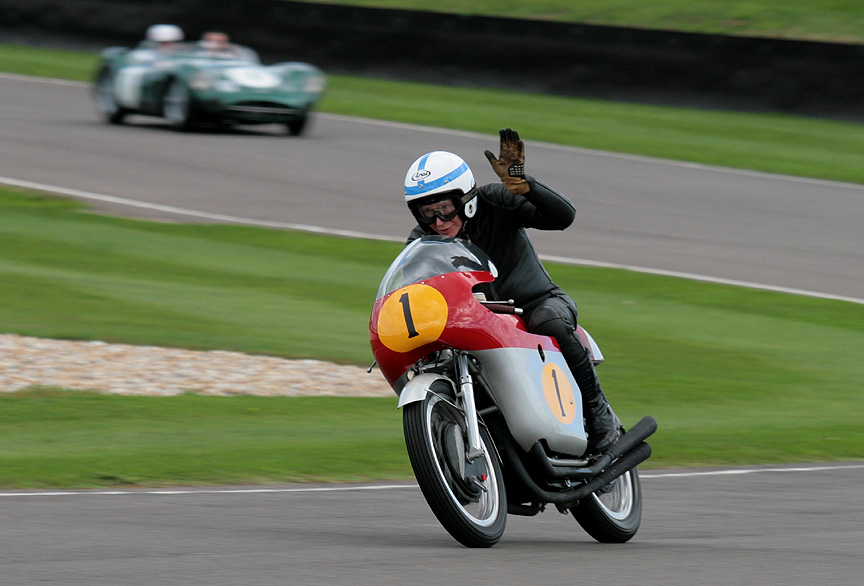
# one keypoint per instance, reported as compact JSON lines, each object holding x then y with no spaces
{"x":614,"y":513}
{"x":106,"y":102}
{"x":467,"y":498}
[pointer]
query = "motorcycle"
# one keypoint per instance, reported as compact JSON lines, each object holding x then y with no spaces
{"x":492,"y":415}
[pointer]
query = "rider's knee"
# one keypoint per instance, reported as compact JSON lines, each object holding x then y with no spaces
{"x":551,"y":315}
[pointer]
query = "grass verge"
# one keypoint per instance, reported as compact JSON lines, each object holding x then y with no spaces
{"x":775,"y":143}
{"x":831,"y":20}
{"x":735,"y":376}
{"x":52,"y":438}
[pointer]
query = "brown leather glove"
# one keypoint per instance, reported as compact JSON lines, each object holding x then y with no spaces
{"x":510,"y":163}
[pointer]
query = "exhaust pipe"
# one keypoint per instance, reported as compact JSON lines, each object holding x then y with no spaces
{"x":632,"y":459}
{"x":568,"y":498}
{"x":639,"y":433}
{"x":560,"y":470}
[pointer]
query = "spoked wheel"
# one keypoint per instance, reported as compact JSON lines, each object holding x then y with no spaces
{"x":106,"y":103}
{"x":614,"y":513}
{"x":467,"y":498}
{"x":177,"y":106}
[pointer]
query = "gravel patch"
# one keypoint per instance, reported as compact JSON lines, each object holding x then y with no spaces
{"x":149,"y":370}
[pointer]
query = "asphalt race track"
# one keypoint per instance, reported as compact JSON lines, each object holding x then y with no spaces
{"x":770,"y":527}
{"x":347,"y":174}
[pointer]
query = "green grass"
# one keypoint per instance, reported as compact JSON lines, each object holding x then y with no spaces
{"x":26,"y":60}
{"x":735,"y":376}
{"x":832,"y":20}
{"x":51,"y":438}
{"x":198,"y":286}
{"x":775,"y":143}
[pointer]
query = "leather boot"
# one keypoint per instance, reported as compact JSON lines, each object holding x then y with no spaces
{"x":604,"y":427}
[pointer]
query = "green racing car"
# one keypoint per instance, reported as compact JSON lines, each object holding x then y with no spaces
{"x":190,"y":85}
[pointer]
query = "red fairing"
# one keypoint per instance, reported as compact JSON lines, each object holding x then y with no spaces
{"x":470,"y":326}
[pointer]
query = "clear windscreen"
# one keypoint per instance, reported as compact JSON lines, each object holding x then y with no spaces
{"x":202,"y":53}
{"x":431,"y":256}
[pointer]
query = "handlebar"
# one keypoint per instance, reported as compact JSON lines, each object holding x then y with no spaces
{"x":508,"y":306}
{"x":502,"y":308}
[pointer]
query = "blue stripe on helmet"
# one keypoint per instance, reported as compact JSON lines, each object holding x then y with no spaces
{"x":423,"y":187}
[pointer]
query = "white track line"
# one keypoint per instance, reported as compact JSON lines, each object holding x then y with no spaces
{"x":697,"y":277}
{"x":48,"y":80}
{"x":186,"y":212}
{"x":354,"y":234}
{"x":548,"y":145}
{"x":605,"y":154}
{"x":740,"y":471}
{"x":211,"y":490}
{"x":414,"y":127}
{"x":174,"y":492}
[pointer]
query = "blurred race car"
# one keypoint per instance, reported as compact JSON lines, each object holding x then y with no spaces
{"x":190,"y":85}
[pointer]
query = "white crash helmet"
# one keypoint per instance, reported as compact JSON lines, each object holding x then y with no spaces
{"x":437,"y":175}
{"x":164,"y":33}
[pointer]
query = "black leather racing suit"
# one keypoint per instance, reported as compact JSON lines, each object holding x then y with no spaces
{"x":498,"y":228}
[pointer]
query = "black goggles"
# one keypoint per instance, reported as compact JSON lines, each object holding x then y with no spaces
{"x":429,"y":216}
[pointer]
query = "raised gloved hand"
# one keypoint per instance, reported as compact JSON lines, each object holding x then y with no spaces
{"x":510,"y":163}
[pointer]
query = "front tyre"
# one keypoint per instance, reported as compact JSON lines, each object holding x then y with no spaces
{"x":297,"y":127}
{"x":106,"y":102}
{"x":470,"y":504}
{"x":177,"y":106}
{"x":613,"y":514}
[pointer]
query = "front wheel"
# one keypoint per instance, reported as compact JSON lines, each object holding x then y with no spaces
{"x":467,"y":498}
{"x":177,"y":106}
{"x":614,"y":513}
{"x":106,"y":102}
{"x":296,"y":127}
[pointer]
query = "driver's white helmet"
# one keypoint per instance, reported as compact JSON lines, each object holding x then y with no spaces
{"x":164,"y":33}
{"x":439,"y":174}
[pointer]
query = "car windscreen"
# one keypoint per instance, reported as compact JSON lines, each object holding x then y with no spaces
{"x":196,"y":52}
{"x":431,"y":256}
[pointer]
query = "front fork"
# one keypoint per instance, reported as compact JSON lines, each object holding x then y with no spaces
{"x":466,"y":388}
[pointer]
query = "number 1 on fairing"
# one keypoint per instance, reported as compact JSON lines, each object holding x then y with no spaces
{"x":406,"y":311}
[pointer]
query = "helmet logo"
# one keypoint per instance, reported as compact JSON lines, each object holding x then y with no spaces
{"x":420,"y":175}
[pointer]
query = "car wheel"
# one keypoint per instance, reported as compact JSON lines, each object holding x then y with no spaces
{"x":106,"y":102}
{"x":177,"y":106}
{"x":297,"y":127}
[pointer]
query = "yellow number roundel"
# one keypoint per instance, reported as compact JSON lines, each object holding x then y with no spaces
{"x":411,"y":317}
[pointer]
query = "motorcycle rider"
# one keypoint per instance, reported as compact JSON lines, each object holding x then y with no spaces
{"x":443,"y":197}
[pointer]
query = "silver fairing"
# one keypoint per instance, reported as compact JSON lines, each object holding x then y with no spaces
{"x":539,"y":398}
